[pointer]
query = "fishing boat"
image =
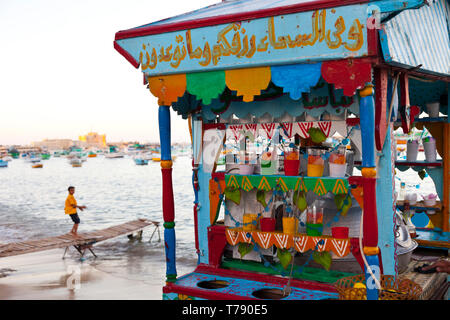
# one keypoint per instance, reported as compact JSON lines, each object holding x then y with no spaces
{"x":37,"y":164}
{"x":140,"y":161}
{"x":92,"y":154}
{"x":45,"y":156}
{"x":114,"y":153}
{"x":292,"y":218}
{"x":76,"y":162}
{"x":3,"y":163}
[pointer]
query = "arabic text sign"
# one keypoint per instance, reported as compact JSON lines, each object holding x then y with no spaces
{"x":307,"y":36}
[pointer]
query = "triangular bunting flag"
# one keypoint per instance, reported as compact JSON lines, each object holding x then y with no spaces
{"x":339,"y":187}
{"x":264,"y":239}
{"x":246,"y":184}
{"x":319,"y":189}
{"x":264,"y":184}
{"x":340,"y":247}
{"x":232,"y":182}
{"x":325,"y":126}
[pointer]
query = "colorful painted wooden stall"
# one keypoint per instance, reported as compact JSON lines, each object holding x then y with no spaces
{"x":292,"y":107}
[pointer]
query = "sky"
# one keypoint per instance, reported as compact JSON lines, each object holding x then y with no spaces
{"x":60,"y":76}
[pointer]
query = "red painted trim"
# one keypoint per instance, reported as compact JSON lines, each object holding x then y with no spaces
{"x":222,"y":19}
{"x":167,"y":195}
{"x":370,"y":227}
{"x":197,"y":247}
{"x":220,"y":175}
{"x":372,"y":42}
{"x":217,"y":242}
{"x":202,"y":293}
{"x":126,"y":55}
{"x":220,"y":126}
{"x":352,"y":122}
{"x":253,"y":276}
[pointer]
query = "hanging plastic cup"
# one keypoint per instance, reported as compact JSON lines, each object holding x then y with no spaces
{"x":433,"y":109}
{"x":314,"y":221}
{"x":316,"y":163}
{"x":268,"y":163}
{"x":412,"y":149}
{"x":337,"y":163}
{"x":429,"y":146}
{"x":290,"y":225}
{"x":249,"y":221}
{"x":291,"y":163}
{"x":267,"y":224}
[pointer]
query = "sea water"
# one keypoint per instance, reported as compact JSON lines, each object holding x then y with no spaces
{"x":114,"y":191}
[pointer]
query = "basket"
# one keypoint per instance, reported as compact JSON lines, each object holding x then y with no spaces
{"x":404,"y":289}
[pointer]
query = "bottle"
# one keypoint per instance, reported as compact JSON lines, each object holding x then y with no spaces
{"x":401,"y":194}
{"x":278,"y":211}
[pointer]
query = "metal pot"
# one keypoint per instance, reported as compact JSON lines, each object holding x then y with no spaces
{"x":404,"y":256}
{"x":405,"y":244}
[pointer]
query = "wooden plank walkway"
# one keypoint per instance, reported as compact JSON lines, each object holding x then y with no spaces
{"x":82,"y":241}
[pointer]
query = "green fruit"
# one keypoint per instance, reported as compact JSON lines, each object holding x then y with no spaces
{"x":317,"y":136}
{"x":284,"y":256}
{"x":323,"y":258}
{"x":245,"y":248}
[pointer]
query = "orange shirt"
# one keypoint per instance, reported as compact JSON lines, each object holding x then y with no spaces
{"x":70,"y":201}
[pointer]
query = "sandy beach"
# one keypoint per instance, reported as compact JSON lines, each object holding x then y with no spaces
{"x":46,"y":276}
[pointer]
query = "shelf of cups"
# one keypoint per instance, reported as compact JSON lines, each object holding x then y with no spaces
{"x":299,"y":241}
{"x":420,"y":206}
{"x":424,"y":120}
{"x":435,"y":164}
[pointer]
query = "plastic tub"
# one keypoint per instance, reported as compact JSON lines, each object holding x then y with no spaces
{"x":246,"y":169}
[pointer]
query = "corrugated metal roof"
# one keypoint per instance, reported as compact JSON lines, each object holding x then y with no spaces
{"x":419,"y":37}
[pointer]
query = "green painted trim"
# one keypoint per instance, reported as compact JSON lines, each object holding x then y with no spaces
{"x":171,"y":277}
{"x":206,"y":85}
{"x":313,"y":274}
{"x":319,"y":185}
{"x":169,"y":225}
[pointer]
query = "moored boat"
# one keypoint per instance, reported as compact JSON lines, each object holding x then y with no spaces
{"x":140,"y":161}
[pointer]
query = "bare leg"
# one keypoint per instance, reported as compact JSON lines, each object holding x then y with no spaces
{"x":75,"y":229}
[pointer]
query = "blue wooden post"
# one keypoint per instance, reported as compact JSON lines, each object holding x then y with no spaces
{"x":385,"y":196}
{"x":369,"y":173}
{"x":167,"y":196}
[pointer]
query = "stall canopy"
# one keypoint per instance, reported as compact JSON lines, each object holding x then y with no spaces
{"x":247,"y":46}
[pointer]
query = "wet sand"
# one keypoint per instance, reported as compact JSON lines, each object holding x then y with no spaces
{"x":46,"y":276}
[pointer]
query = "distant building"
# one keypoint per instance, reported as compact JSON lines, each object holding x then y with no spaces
{"x":93,"y":139}
{"x":53,"y":144}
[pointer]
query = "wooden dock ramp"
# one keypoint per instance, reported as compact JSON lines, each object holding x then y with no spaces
{"x":82,"y":242}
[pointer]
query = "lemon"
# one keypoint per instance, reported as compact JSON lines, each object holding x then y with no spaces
{"x":359,"y":285}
